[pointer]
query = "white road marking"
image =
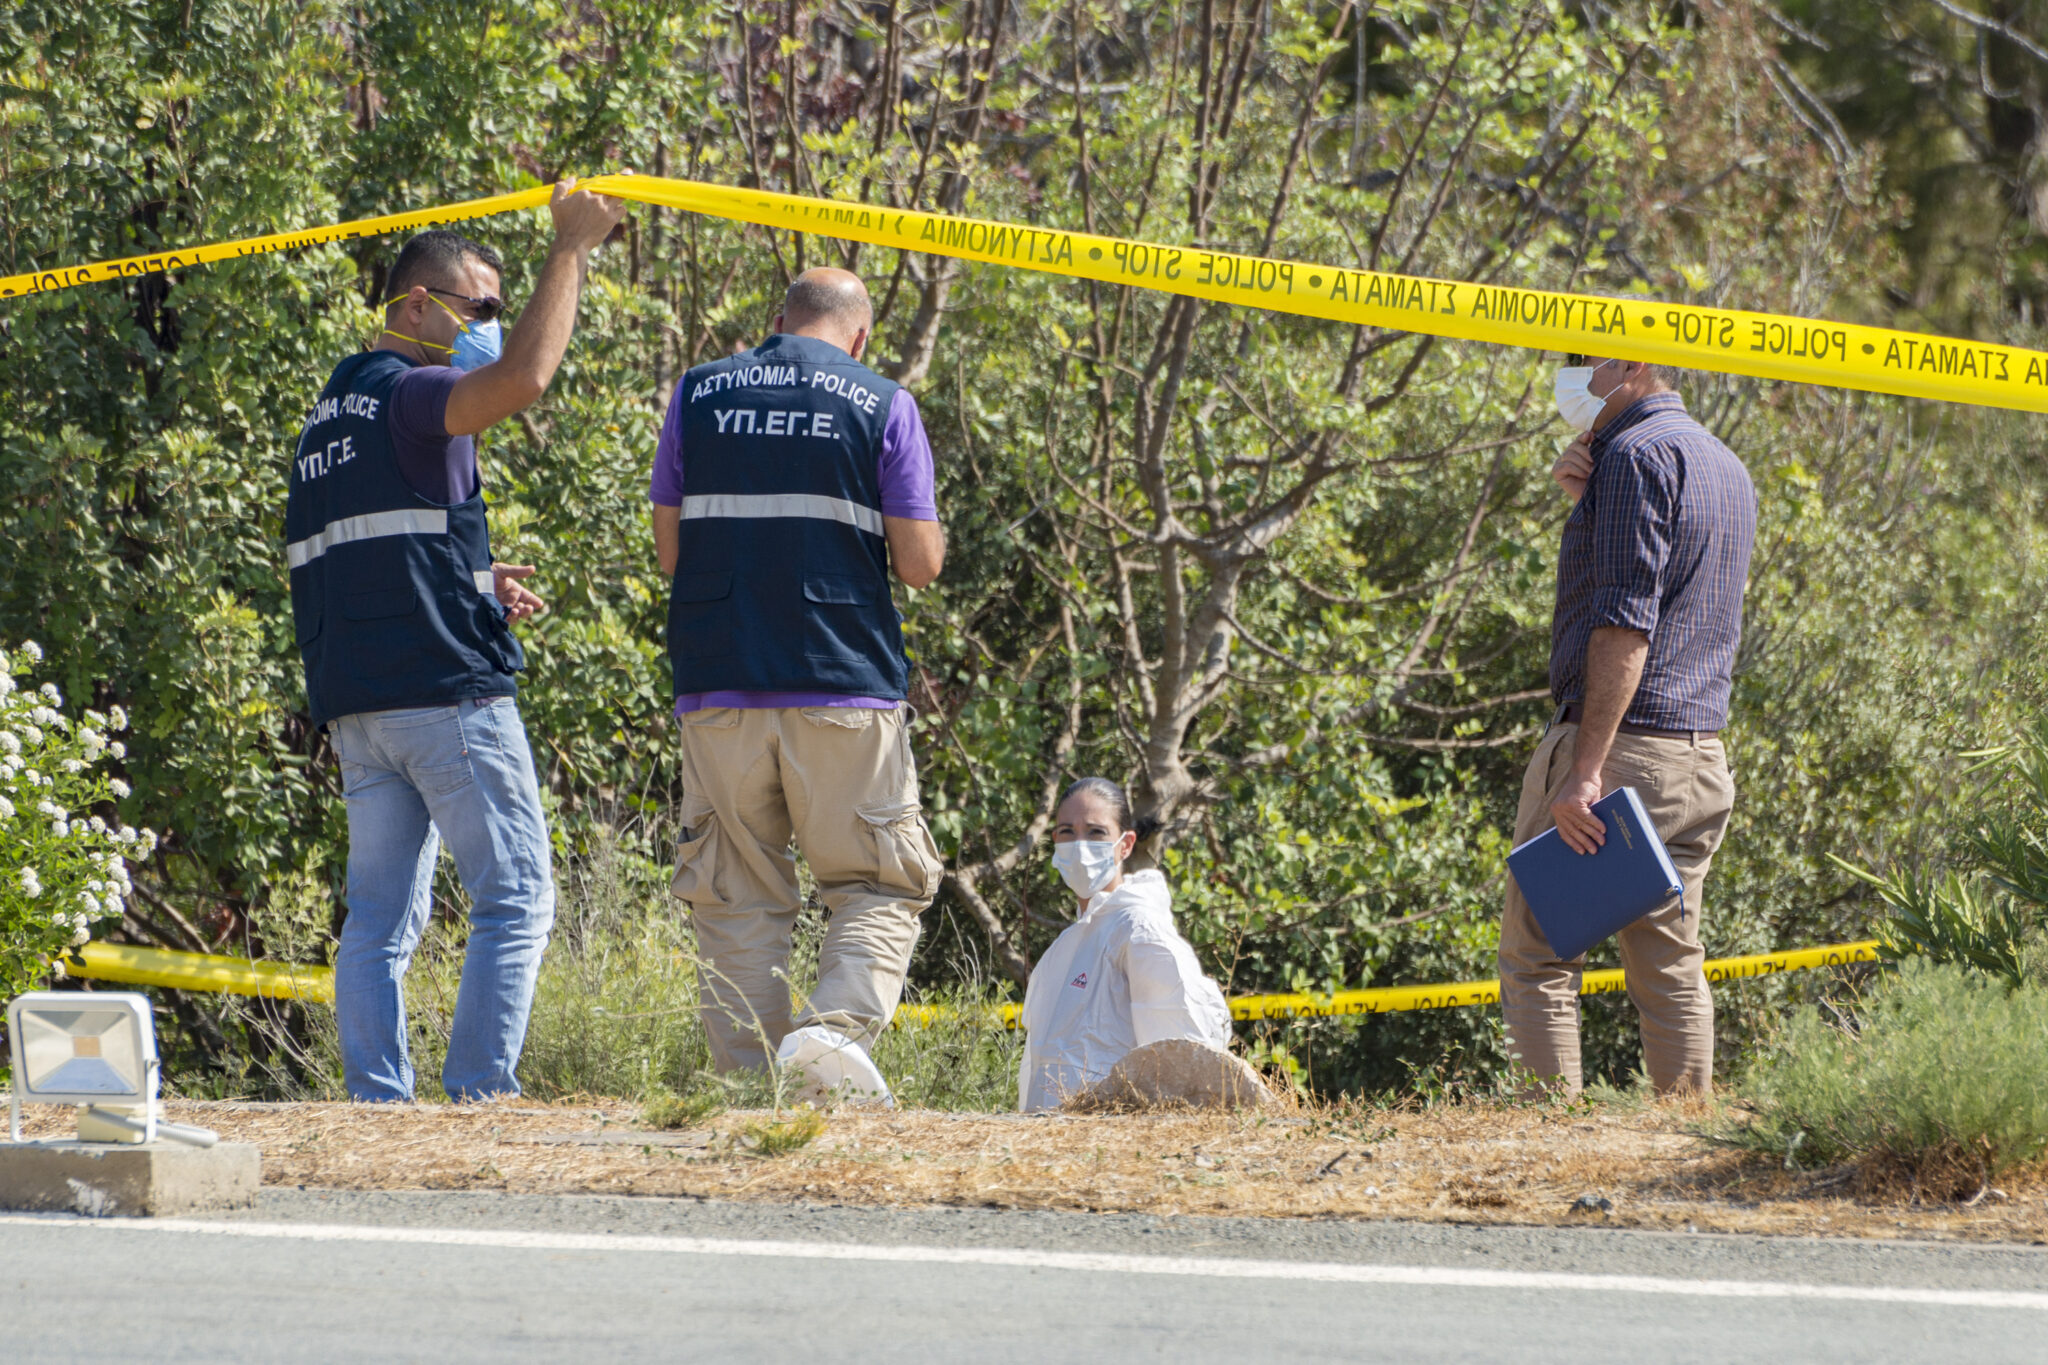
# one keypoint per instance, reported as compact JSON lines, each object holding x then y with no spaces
{"x":1090,"y":1262}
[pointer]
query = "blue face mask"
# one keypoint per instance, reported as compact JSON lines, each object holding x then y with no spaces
{"x":477,"y":345}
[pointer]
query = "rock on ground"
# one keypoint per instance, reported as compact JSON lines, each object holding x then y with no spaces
{"x":1175,"y":1073}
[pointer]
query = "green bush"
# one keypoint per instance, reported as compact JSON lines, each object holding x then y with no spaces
{"x":1986,"y":917}
{"x":1938,"y":1075}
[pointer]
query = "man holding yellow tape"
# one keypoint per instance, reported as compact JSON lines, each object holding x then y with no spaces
{"x":401,"y":617}
{"x":1650,"y":578}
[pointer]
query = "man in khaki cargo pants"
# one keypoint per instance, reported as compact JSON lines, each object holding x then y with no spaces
{"x":788,"y":482}
{"x":1650,"y":578}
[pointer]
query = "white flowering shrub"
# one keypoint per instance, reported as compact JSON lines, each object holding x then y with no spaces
{"x":63,"y":869}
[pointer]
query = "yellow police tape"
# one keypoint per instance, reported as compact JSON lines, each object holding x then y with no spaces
{"x":200,"y":972}
{"x":69,"y":277}
{"x":1764,"y":345}
{"x":240,"y":976}
{"x":1385,"y":999}
{"x":1455,"y":995}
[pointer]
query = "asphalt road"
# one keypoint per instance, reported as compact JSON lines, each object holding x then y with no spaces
{"x":315,"y":1276}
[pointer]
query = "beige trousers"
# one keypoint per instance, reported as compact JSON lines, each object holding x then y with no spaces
{"x":841,"y":781}
{"x":1688,"y":793}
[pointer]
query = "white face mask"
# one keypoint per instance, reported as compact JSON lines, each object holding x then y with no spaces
{"x":1086,"y":866}
{"x":1576,"y":402}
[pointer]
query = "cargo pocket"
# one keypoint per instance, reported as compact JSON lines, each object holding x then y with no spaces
{"x":906,"y":857}
{"x":696,"y":879}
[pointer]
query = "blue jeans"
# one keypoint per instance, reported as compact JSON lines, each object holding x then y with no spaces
{"x":413,"y":778}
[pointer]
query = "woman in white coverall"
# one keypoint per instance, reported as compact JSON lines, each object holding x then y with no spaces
{"x":1121,"y":976}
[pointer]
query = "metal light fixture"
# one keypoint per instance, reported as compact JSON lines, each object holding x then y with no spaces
{"x":96,"y":1050}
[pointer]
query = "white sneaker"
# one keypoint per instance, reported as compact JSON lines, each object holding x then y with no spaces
{"x":833,"y":1063}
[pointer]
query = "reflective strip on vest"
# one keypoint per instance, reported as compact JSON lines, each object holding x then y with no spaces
{"x":411,"y":522}
{"x":814,"y":505}
{"x":486,"y":581}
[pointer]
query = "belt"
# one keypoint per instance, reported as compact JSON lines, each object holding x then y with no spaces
{"x":1571,"y":713}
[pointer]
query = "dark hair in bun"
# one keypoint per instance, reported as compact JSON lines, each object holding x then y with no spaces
{"x":1119,"y":801}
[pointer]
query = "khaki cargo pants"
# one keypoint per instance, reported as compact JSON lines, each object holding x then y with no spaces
{"x":842,"y":782}
{"x":1688,"y":793}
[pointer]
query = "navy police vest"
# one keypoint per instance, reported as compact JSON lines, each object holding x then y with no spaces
{"x":392,"y":599}
{"x":782,"y":580}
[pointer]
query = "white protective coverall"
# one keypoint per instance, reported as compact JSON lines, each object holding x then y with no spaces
{"x":1118,"y":978}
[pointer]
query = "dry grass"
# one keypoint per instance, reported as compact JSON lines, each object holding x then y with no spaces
{"x":1468,"y":1164}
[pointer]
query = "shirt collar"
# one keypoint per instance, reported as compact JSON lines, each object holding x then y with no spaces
{"x":803,"y":348}
{"x":1640,"y":410}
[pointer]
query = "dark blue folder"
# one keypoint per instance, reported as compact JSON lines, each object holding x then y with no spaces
{"x":1581,"y":898}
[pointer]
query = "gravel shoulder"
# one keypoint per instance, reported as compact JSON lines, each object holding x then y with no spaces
{"x":1644,"y":1169}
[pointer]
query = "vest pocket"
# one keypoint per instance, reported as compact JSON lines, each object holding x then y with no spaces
{"x":498,"y":648}
{"x":836,"y":590}
{"x":839,"y":620}
{"x":380,"y":641}
{"x":700,"y":615}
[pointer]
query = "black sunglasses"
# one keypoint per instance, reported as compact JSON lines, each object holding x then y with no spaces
{"x":487,"y":308}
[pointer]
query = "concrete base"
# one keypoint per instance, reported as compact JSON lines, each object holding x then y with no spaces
{"x":106,"y":1180}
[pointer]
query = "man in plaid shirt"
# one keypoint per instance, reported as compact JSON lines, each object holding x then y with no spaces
{"x":1650,"y":577}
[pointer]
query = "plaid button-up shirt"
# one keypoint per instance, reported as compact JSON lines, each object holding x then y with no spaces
{"x":1659,"y":543}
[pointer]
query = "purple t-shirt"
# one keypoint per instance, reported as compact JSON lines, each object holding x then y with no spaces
{"x":906,"y":478}
{"x":437,"y":466}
